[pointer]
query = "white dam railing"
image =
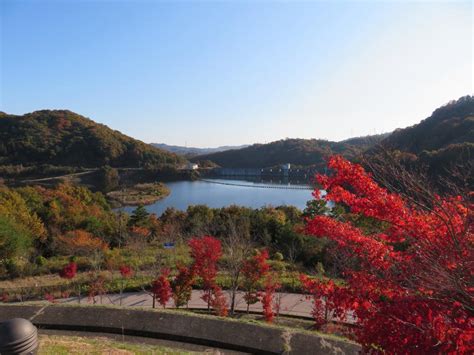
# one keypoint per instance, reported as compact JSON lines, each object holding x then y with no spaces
{"x":281,"y":187}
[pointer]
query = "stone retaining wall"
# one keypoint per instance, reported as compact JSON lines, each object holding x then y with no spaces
{"x":184,"y":327}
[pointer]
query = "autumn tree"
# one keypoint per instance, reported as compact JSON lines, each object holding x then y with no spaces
{"x":411,"y":290}
{"x":326,"y":301}
{"x":182,"y":286}
{"x":161,"y":288}
{"x":79,"y":242}
{"x":126,"y":272}
{"x":206,"y":252}
{"x":69,"y":271}
{"x":219,"y":301}
{"x":254,"y":270}
{"x":271,"y":285}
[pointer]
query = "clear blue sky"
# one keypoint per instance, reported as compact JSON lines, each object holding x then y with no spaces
{"x":236,"y":72}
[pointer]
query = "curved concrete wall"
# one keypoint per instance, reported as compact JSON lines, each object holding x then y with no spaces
{"x":197,"y":329}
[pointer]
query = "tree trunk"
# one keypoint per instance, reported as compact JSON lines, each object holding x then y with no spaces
{"x":209,"y":301}
{"x":121,"y":288}
{"x":232,"y":302}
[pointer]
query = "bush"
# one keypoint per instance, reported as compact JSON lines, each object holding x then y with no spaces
{"x":41,"y":260}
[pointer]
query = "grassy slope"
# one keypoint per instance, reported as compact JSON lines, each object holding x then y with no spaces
{"x":59,"y":345}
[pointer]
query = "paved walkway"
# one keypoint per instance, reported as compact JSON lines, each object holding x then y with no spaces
{"x":290,"y":303}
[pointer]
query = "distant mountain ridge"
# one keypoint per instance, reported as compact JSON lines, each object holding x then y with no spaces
{"x":300,"y":152}
{"x":193,"y":151}
{"x":64,"y":138}
{"x":447,"y":135}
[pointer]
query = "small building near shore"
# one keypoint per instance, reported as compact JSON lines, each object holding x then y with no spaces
{"x":286,"y":167}
{"x":191,"y":166}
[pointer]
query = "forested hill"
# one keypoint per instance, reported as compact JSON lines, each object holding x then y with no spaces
{"x":301,"y":152}
{"x":450,"y":127}
{"x":192,"y":151}
{"x":446,"y":136}
{"x":61,"y":137}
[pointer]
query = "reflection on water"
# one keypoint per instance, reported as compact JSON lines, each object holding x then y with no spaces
{"x":234,"y":192}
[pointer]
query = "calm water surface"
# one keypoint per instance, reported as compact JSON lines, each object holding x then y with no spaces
{"x":215,"y":194}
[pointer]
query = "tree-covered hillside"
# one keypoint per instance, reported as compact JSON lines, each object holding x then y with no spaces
{"x":448,"y":126}
{"x":61,"y":137}
{"x":446,"y":136}
{"x":303,"y":152}
{"x":193,"y":151}
{"x":442,"y":144}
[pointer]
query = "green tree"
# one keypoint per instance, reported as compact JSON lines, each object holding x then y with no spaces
{"x":139,"y":217}
{"x":15,"y":239}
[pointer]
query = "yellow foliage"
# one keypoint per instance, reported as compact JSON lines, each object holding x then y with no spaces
{"x":14,"y":206}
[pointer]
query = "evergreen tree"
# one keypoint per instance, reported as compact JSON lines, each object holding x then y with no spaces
{"x":139,"y":217}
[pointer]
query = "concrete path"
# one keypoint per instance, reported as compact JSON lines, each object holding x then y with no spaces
{"x":292,"y":304}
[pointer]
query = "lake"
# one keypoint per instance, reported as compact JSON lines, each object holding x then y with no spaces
{"x":220,"y":193}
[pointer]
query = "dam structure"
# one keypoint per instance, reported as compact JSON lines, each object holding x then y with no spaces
{"x":262,"y":186}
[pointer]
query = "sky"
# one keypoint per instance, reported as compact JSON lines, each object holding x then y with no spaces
{"x":211,"y":73}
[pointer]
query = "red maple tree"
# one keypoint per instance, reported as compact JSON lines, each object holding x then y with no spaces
{"x":412,"y":289}
{"x":50,"y":298}
{"x":69,"y":271}
{"x":271,"y":285}
{"x":206,"y":252}
{"x":219,"y":301}
{"x":253,"y":271}
{"x":126,"y":271}
{"x":182,"y":286}
{"x":161,"y":288}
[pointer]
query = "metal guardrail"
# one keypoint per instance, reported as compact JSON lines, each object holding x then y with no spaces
{"x":282,"y":187}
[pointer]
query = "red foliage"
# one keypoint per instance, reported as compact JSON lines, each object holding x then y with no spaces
{"x":50,"y":298}
{"x":206,"y":252}
{"x":256,"y":267}
{"x":219,"y":301}
{"x":4,"y":297}
{"x":69,"y":271}
{"x":182,"y":286}
{"x":161,"y":288}
{"x":126,"y":271}
{"x":412,"y":291}
{"x":253,"y":271}
{"x":326,"y":302}
{"x":267,"y":297}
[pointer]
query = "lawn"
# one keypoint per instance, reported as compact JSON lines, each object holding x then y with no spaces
{"x":59,"y":345}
